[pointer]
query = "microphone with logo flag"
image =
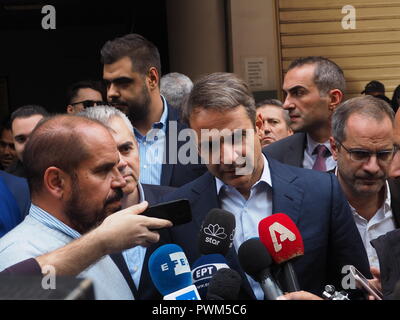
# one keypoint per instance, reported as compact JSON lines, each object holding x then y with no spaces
{"x":215,"y":240}
{"x":217,"y":232}
{"x":257,"y":262}
{"x":283,"y":241}
{"x":203,"y":270}
{"x":170,"y":272}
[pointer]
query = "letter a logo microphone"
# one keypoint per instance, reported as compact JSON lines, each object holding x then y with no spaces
{"x":285,"y":234}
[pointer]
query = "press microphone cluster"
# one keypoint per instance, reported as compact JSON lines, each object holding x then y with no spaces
{"x":175,"y":280}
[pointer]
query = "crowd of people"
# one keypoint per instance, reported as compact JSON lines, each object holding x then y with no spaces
{"x":73,"y":185}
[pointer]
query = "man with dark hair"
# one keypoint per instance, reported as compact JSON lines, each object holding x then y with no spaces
{"x":362,"y":144}
{"x":276,"y":121}
{"x":314,"y":87}
{"x":23,"y":121}
{"x":7,"y":148}
{"x":73,"y":169}
{"x":85,"y":94}
{"x":376,"y":89}
{"x":252,"y":186}
{"x":132,"y":71}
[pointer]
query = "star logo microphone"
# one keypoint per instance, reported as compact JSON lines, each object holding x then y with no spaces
{"x":170,"y":272}
{"x":282,"y":238}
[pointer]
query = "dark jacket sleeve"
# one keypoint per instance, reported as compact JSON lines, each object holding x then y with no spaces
{"x":26,"y":267}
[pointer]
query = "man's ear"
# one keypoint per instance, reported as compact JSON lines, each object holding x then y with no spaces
{"x":55,"y":181}
{"x":70,"y":109}
{"x":153,"y":78}
{"x":334,"y":148}
{"x":336,"y":97}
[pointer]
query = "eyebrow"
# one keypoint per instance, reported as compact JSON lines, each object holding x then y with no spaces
{"x":297,"y":87}
{"x":120,"y":80}
{"x":104,"y":167}
{"x":125,"y":144}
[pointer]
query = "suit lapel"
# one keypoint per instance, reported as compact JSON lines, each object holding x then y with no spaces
{"x":167,"y":167}
{"x":295,"y":156}
{"x":287,"y":198}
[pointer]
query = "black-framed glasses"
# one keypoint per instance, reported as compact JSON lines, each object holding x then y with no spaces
{"x":90,"y":103}
{"x":362,"y":155}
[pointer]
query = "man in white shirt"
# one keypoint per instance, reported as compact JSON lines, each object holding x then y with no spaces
{"x":362,"y":144}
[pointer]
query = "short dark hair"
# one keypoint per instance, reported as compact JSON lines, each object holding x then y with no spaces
{"x":369,"y":106}
{"x":28,"y":111}
{"x":73,"y":89}
{"x":327,"y":75}
{"x":272,"y":102}
{"x":143,"y":53}
{"x":220,"y":91}
{"x":54,"y":142}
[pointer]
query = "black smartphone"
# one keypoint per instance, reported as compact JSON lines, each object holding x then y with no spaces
{"x":177,"y":211}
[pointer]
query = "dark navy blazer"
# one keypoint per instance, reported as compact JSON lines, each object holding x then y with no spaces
{"x":178,"y":174}
{"x":313,"y":200}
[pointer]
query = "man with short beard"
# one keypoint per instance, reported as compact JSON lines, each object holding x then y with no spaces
{"x":132,"y":71}
{"x":73,"y":170}
{"x":363,"y":146}
{"x":133,"y":262}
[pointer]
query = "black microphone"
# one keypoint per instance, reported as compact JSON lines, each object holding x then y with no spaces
{"x":256,"y":262}
{"x":224,"y":285}
{"x":216,"y":232}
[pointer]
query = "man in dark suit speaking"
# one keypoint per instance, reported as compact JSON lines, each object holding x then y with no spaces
{"x":252,"y":186}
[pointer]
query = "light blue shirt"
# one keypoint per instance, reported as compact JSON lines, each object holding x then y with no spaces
{"x":151,"y":149}
{"x":41,"y":233}
{"x":248,"y":213}
{"x":134,"y":257}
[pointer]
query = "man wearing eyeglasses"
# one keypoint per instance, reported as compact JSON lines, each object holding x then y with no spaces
{"x":362,"y":145}
{"x":85,"y":94}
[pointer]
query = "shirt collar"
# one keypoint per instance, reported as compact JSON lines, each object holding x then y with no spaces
{"x":163,"y":120}
{"x":162,"y":124}
{"x":52,"y":222}
{"x":386,"y":204}
{"x":141,"y":193}
{"x":311,"y":145}
{"x":265,"y":177}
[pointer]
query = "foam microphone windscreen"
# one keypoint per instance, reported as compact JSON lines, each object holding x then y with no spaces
{"x":169,"y":269}
{"x":217,"y":232}
{"x":281,"y":237}
{"x":254,"y":257}
{"x":224,"y":285}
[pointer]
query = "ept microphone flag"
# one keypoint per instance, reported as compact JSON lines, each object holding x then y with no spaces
{"x":217,"y":232}
{"x":203,"y":270}
{"x":281,"y":237}
{"x":169,"y":269}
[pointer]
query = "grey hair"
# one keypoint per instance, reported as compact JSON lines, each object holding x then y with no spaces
{"x":327,"y":74}
{"x":104,"y":114}
{"x":366,"y":105}
{"x":220,"y":91}
{"x":175,"y":87}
